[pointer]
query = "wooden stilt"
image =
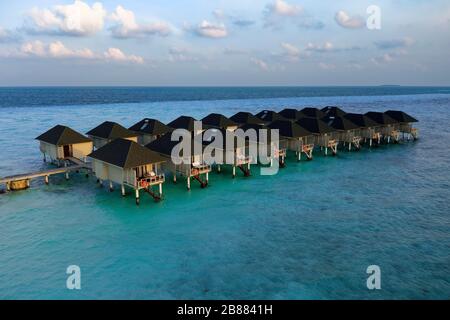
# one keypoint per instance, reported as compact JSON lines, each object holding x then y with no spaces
{"x":123,"y":190}
{"x":67,"y":175}
{"x":8,"y":187}
{"x":174,"y":177}
{"x":189,"y":183}
{"x":28,"y":183}
{"x":46,"y":179}
{"x":207,"y":177}
{"x":234,"y":172}
{"x":111,"y":189}
{"x":137,"y":197}
{"x":326,"y":151}
{"x":160,"y":189}
{"x":218,"y":168}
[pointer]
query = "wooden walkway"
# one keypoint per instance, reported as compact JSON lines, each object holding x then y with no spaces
{"x":77,"y":165}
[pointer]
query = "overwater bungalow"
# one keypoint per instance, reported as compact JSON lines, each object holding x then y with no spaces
{"x":347,"y":132}
{"x":323,"y":133}
{"x":129,"y":164}
{"x":149,"y":130}
{"x":234,"y":155}
{"x":269,"y":116}
{"x":109,"y":131}
{"x":369,"y":128}
{"x":187,"y":123}
{"x":404,"y":123}
{"x":295,"y":137}
{"x":291,"y":114}
{"x":61,"y":143}
{"x":189,"y":167}
{"x":387,"y":125}
{"x":243,"y":118}
{"x":310,"y":112}
{"x":278,"y":147}
{"x":219,"y":121}
{"x":333,"y":112}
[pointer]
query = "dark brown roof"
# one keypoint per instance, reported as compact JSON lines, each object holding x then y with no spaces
{"x":126,"y":154}
{"x":400,"y":116}
{"x":246,"y":117}
{"x":340,"y":123}
{"x":111,"y":130}
{"x":226,"y":134}
{"x":61,"y":135}
{"x":164,"y":145}
{"x":291,"y":114}
{"x":312,"y":112}
{"x":381,"y":118}
{"x":331,"y":111}
{"x":218,"y":121}
{"x":289,"y":129}
{"x":361,"y":120}
{"x":185,"y":122}
{"x":269,"y":116}
{"x":314,"y":125}
{"x":150,"y":126}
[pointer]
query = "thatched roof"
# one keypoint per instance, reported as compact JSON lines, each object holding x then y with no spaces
{"x":340,"y":123}
{"x":246,"y":117}
{"x":381,"y":118}
{"x":400,"y":116}
{"x":257,"y":127}
{"x":312,"y":112}
{"x":111,"y":130}
{"x":61,"y":135}
{"x":361,"y":120}
{"x":289,"y":129}
{"x":291,"y":114}
{"x":126,"y":154}
{"x":314,"y":125}
{"x":151,"y":127}
{"x":269,"y":116}
{"x":218,"y":121}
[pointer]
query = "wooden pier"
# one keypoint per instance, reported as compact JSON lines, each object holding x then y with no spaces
{"x":24,"y":179}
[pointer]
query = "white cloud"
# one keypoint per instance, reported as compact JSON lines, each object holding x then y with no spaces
{"x":351,"y":22}
{"x":211,"y":30}
{"x":326,"y":47}
{"x":291,"y":52}
{"x":77,"y":19}
{"x":260,"y":64}
{"x":282,"y":8}
{"x":127,"y":27}
{"x":36,"y":48}
{"x":58,"y":50}
{"x":278,"y":10}
{"x":116,"y":54}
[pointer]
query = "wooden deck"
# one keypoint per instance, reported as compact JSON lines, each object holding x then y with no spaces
{"x":77,"y":165}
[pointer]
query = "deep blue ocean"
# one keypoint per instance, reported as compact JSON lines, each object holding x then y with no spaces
{"x":308,"y":232}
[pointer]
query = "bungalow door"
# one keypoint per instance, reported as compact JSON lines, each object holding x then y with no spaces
{"x":67,"y":151}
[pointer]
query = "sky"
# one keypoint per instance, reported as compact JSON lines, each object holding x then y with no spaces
{"x":224,"y":43}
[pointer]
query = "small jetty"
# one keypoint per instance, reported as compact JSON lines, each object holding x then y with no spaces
{"x":139,"y":158}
